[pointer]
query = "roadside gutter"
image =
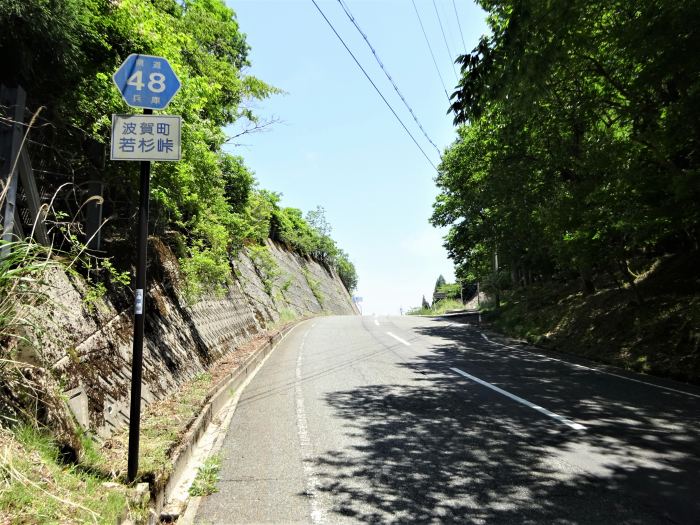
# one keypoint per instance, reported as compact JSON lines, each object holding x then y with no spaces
{"x":166,"y":493}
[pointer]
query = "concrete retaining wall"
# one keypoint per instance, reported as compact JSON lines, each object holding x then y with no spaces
{"x":90,"y":345}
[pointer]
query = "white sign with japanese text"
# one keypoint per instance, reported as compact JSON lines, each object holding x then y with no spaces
{"x":146,"y":137}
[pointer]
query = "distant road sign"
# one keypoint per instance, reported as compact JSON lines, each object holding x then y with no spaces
{"x":356,"y":299}
{"x":146,"y":81}
{"x":145,"y":137}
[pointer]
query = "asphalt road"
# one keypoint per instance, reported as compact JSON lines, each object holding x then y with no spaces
{"x":416,"y":420}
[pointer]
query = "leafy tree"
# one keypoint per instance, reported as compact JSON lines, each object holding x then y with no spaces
{"x":51,"y":46}
{"x":440,"y":282}
{"x":450,"y":290}
{"x":254,"y":223}
{"x":576,"y":140}
{"x":293,"y":230}
{"x":64,"y":53}
{"x":317,"y":220}
{"x":238,"y":181}
{"x":346,"y":271}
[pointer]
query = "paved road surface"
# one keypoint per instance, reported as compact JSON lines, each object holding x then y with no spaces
{"x":415,"y":420}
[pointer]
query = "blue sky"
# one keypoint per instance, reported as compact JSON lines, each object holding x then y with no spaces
{"x":338,"y":146}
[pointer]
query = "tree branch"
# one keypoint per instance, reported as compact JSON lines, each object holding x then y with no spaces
{"x":254,"y":127}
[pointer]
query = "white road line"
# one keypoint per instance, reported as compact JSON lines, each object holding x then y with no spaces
{"x":561,"y":419}
{"x":575,"y":365}
{"x":318,"y":515}
{"x":224,"y":417}
{"x":376,"y":322}
{"x":402,"y":341}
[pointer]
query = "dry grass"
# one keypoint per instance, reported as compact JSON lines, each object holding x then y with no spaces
{"x":38,"y":486}
{"x":164,"y":423}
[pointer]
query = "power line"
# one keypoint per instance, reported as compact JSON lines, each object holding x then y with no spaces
{"x":461,"y":34}
{"x":444,"y":38}
{"x":396,"y":88}
{"x":431,"y":51}
{"x":373,"y":84}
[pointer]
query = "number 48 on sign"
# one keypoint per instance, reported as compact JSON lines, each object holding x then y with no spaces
{"x":146,"y":81}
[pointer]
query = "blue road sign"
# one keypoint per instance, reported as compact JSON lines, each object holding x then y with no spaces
{"x":146,"y":81}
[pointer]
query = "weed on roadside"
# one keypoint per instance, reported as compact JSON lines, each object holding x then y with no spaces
{"x":207,"y":477}
{"x":37,"y":485}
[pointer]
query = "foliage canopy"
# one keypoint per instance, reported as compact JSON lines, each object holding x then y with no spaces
{"x":578,"y":139}
{"x":63,"y":52}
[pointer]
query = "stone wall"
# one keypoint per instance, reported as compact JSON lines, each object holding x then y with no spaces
{"x":90,"y":346}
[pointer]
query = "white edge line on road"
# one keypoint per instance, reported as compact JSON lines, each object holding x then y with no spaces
{"x":402,"y":341}
{"x":576,"y":365}
{"x":189,"y":513}
{"x":318,"y":514}
{"x":561,"y":419}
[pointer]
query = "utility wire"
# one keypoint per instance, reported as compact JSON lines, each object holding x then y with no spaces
{"x":461,"y":34}
{"x":379,"y":61}
{"x":444,"y":38}
{"x":431,"y":51}
{"x":373,"y":84}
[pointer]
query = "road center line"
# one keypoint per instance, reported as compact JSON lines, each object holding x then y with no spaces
{"x":402,"y":341}
{"x":561,"y":419}
{"x":576,"y":365}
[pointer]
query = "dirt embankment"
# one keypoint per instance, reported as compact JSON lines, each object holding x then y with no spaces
{"x":652,"y":326}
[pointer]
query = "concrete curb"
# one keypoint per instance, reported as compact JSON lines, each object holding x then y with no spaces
{"x":217,"y":399}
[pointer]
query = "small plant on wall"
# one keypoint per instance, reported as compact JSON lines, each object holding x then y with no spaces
{"x":315,"y":286}
{"x":266,"y":267}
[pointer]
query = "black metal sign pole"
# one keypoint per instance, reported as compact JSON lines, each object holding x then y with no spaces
{"x":139,"y":315}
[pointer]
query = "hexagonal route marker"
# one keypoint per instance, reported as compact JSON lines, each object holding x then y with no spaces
{"x":146,"y":81}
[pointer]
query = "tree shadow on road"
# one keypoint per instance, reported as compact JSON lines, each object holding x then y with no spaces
{"x":444,"y":449}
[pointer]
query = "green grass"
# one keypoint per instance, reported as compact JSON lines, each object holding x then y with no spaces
{"x":207,"y":477}
{"x":266,"y":266}
{"x":315,"y":286}
{"x":38,"y":486}
{"x":286,"y":316}
{"x":285,"y":285}
{"x":22,"y":273}
{"x":439,"y":308}
{"x":162,"y":425}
